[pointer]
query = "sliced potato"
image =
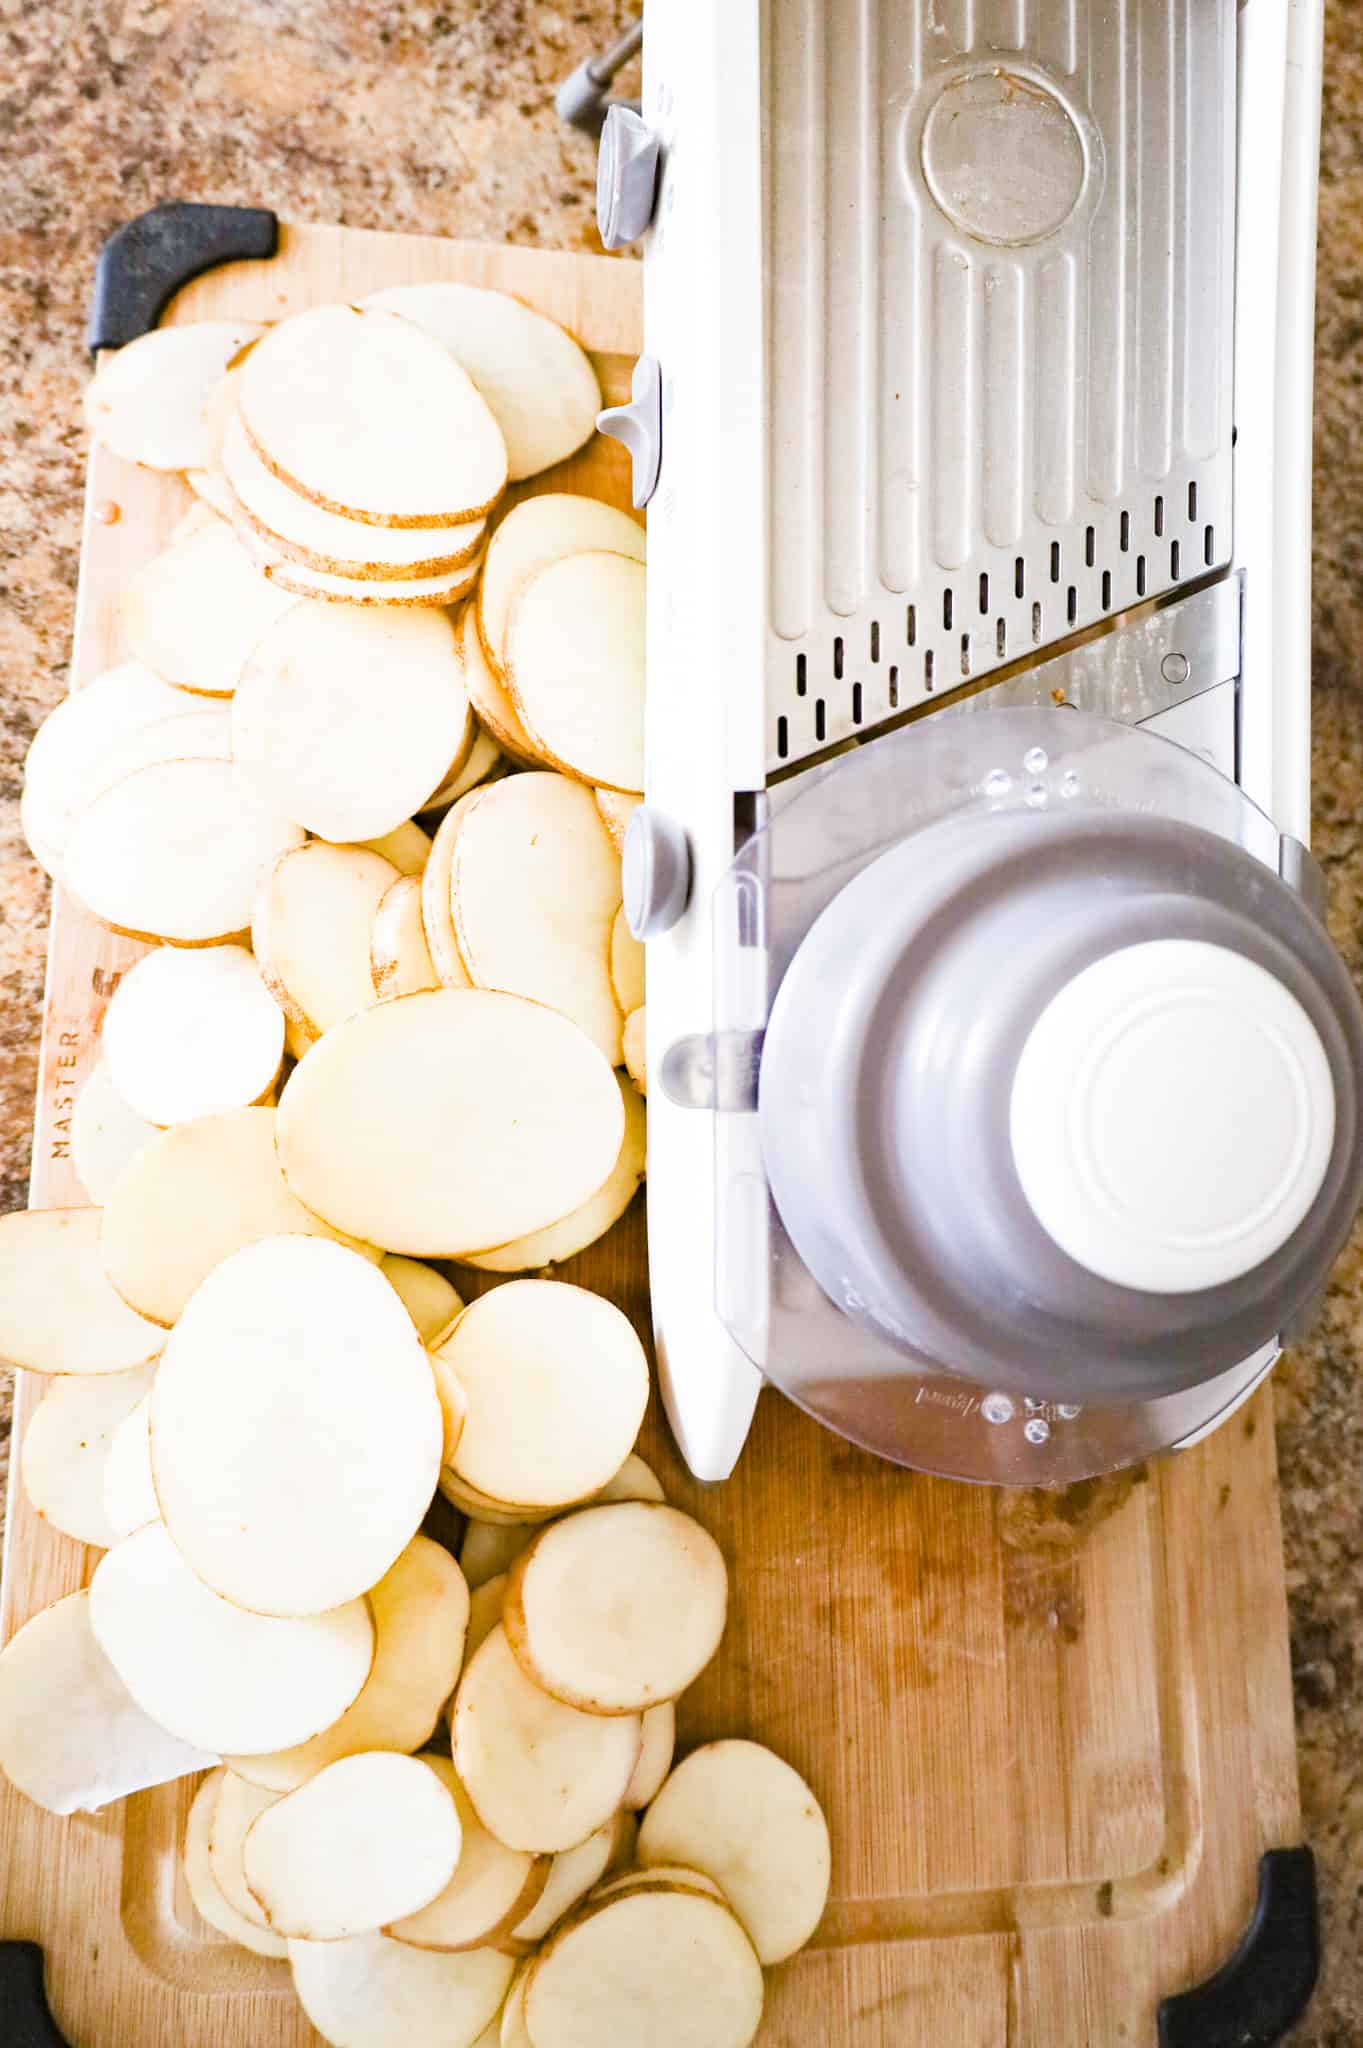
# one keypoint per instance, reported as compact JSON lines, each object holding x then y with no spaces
{"x":375,"y":1993}
{"x":66,"y":1448}
{"x":194,"y":614}
{"x":367,"y":416}
{"x":483,"y":765}
{"x":65,"y":766}
{"x":535,"y":533}
{"x":129,"y":1496}
{"x":571,"y":1876}
{"x":149,"y":401}
{"x":498,"y":1532}
{"x":297,"y":530}
{"x":636,"y":1480}
{"x":635,"y":1051}
{"x":534,"y":886}
{"x":399,"y":957}
{"x":192,"y":1031}
{"x":490,"y":697}
{"x":56,"y":1687}
{"x":187,"y":735}
{"x":347,"y":719}
{"x":369,"y":1839}
{"x":441,"y":1123}
{"x":622,"y":1968}
{"x":437,"y":914}
{"x":454,"y":1406}
{"x":512,"y":2031}
{"x":655,"y":1758}
{"x":485,"y":1611}
{"x":617,"y":1607}
{"x":541,"y":1775}
{"x":669,"y":1877}
{"x":176,"y":851}
{"x":744,"y":1817}
{"x":194,"y":1662}
{"x":409,"y":593}
{"x":428,"y":1297}
{"x":489,"y":1550}
{"x":238,"y":1808}
{"x":311,"y":931}
{"x":470,"y":1502}
{"x":211,"y":488}
{"x":566,"y":1239}
{"x":58,"y":1312}
{"x":557,"y":1384}
{"x":210,"y":1902}
{"x":538,"y":381}
{"x":106,"y":1133}
{"x":421,"y":1611}
{"x":617,"y":807}
{"x":490,"y":1889}
{"x":295,"y":1430}
{"x":191,"y":1198}
{"x":627,"y":965}
{"x":407,"y":846}
{"x":573,"y":654}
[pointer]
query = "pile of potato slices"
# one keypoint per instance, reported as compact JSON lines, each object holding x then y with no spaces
{"x":362,"y":784}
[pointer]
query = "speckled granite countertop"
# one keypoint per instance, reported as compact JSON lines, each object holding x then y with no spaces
{"x":436,"y":115}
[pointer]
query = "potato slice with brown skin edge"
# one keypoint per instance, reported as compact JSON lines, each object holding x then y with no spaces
{"x":617,"y":1607}
{"x":428,"y":1297}
{"x":444,"y":1117}
{"x":399,"y":958}
{"x":633,"y":1047}
{"x":618,"y":1968}
{"x":571,"y":1876}
{"x":478,"y":1505}
{"x":150,"y":399}
{"x":627,"y":965}
{"x":191,"y":1032}
{"x":406,"y":846}
{"x":538,"y":531}
{"x":375,"y":1993}
{"x":541,"y":1775}
{"x":742,"y":1815}
{"x":58,"y":1312}
{"x":489,"y":696}
{"x":534,"y":888}
{"x":404,"y":594}
{"x":204,"y":1890}
{"x":485,"y":1611}
{"x":66,"y":1447}
{"x":512,"y":2032}
{"x":562,"y":1241}
{"x":655,"y":1758}
{"x":437,"y":916}
{"x":195,"y":612}
{"x":490,"y":1548}
{"x":667,"y":1877}
{"x":311,"y":929}
{"x":617,"y":807}
{"x":484,"y":764}
{"x":421,"y":1611}
{"x":454,"y":1406}
{"x":491,"y":1888}
{"x":574,"y":663}
{"x":238,"y":1806}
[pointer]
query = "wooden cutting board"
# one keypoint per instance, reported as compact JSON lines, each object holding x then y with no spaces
{"x":1053,"y":1737}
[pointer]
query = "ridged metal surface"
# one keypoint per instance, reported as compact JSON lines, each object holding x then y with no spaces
{"x":998,"y":253}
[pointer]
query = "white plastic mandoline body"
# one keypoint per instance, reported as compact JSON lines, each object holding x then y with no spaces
{"x":804,"y":500}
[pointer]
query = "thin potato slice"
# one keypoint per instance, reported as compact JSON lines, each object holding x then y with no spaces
{"x":300,"y":531}
{"x":617,"y":1607}
{"x":295,"y":1430}
{"x":369,"y":1839}
{"x":535,"y":533}
{"x":399,"y":957}
{"x":185,"y":735}
{"x":635,"y":1051}
{"x":470,"y":1502}
{"x":437,"y":915}
{"x":347,"y":719}
{"x":490,"y":1889}
{"x":574,"y":662}
{"x":557,"y":1384}
{"x":106,"y":1134}
{"x":541,"y":1775}
{"x":488,"y":1552}
{"x":636,"y":1480}
{"x":454,"y":1406}
{"x":404,"y":594}
{"x":483,"y":765}
{"x":191,"y":1198}
{"x":421,"y":1610}
{"x":441,"y":1123}
{"x":490,"y":697}
{"x":66,"y":1448}
{"x":58,"y":1312}
{"x":239,"y":1806}
{"x":210,"y":1902}
{"x":150,"y":400}
{"x":177,"y":852}
{"x":627,"y":965}
{"x":535,"y":885}
{"x":512,"y":2032}
{"x":193,"y":1031}
{"x":571,"y":1876}
{"x":56,"y":1688}
{"x":655,"y":1758}
{"x":194,"y":1662}
{"x":211,"y":489}
{"x":538,"y":381}
{"x":311,"y":931}
{"x":428,"y":1297}
{"x":666,"y":1877}
{"x":375,"y":1993}
{"x":65,"y":766}
{"x":623,"y":1968}
{"x":194,"y":614}
{"x":744,"y":1817}
{"x":129,"y":1496}
{"x":566,"y":1239}
{"x":485,"y":1611}
{"x":406,"y":846}
{"x":617,"y":807}
{"x":367,"y":416}
{"x":498,"y":1533}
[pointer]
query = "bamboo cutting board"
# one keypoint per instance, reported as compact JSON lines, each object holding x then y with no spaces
{"x":1053,"y":1738}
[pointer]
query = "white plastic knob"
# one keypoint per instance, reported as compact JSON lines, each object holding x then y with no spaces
{"x":1172,"y":1116}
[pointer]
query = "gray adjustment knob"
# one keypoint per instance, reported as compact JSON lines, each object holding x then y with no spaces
{"x":626,"y":177}
{"x":640,"y":426}
{"x":656,"y":875}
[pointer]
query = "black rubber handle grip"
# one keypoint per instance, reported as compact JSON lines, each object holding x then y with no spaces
{"x":145,"y":262}
{"x":25,"y":2017}
{"x":1262,"y":1990}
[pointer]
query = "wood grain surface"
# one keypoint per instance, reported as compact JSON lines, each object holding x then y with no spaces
{"x":1053,"y":1735}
